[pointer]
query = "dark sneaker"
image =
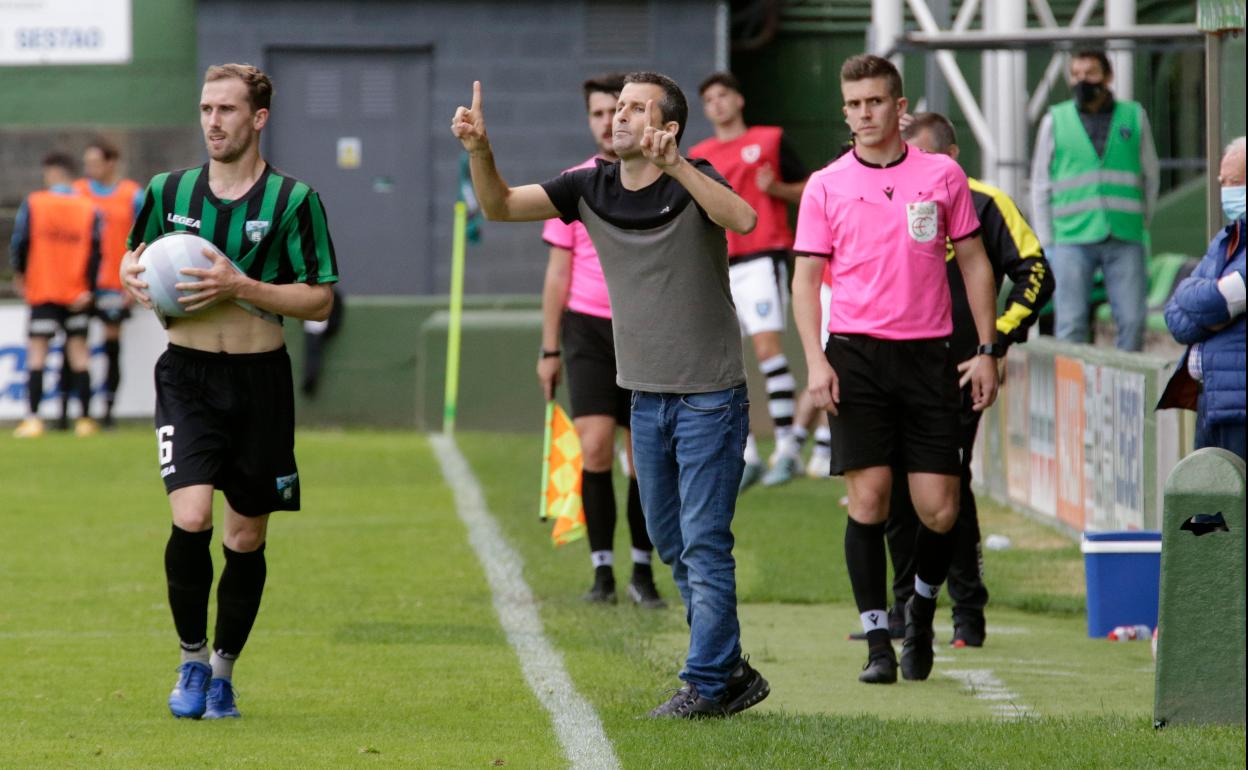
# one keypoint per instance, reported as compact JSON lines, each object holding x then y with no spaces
{"x":881,"y":667}
{"x":643,"y":593}
{"x":687,"y":704}
{"x":968,"y":632}
{"x":603,"y":590}
{"x":746,"y":688}
{"x":916,"y":650}
{"x":187,"y":699}
{"x":220,"y":701}
{"x":896,"y":625}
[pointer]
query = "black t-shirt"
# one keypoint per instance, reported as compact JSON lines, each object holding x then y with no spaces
{"x":599,"y":186}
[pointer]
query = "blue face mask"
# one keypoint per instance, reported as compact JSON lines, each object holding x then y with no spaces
{"x":1233,"y":202}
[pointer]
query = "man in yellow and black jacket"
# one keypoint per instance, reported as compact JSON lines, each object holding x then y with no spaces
{"x":1014,"y":252}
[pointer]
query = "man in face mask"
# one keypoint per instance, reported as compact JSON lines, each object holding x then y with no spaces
{"x":1094,"y":182}
{"x":1206,"y":313}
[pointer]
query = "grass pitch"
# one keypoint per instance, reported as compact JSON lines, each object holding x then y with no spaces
{"x":377,"y":643}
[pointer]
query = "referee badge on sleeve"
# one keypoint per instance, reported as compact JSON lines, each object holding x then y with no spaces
{"x":921,"y":218}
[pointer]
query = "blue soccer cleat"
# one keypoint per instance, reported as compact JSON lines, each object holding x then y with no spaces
{"x":221,"y":700}
{"x":188,"y":696}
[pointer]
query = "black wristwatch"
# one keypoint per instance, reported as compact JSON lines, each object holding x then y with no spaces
{"x":550,"y":353}
{"x":994,"y":349}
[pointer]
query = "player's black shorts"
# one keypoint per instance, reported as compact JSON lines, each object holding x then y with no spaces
{"x":47,"y":319}
{"x":228,"y":420}
{"x":110,"y":306}
{"x":589,"y":357}
{"x":899,"y":404}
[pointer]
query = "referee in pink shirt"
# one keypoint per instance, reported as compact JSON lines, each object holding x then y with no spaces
{"x":880,"y":214}
{"x":576,"y":332}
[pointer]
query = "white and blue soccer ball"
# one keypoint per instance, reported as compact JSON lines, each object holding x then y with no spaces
{"x":163,"y":261}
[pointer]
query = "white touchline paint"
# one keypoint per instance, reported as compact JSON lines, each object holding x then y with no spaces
{"x":986,"y":687}
{"x":576,"y":723}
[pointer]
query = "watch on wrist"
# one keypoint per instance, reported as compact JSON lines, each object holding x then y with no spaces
{"x":994,"y":349}
{"x":550,"y":353}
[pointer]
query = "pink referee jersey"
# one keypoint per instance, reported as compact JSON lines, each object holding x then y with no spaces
{"x":588,"y":290}
{"x":884,"y":230}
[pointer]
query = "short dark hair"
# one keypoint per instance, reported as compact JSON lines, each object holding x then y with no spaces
{"x":58,"y":159}
{"x":608,"y":83}
{"x":1095,"y":53}
{"x":673,"y":105}
{"x":108,"y":149}
{"x":940,"y":127}
{"x":259,"y":87}
{"x":866,"y":66}
{"x":721,"y":78}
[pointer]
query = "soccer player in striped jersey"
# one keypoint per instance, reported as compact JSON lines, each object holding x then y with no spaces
{"x":224,"y":395}
{"x":577,"y":311}
{"x":119,"y":201}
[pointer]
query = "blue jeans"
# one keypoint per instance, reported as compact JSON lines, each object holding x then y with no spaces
{"x":687,"y":450}
{"x":1126,"y":283}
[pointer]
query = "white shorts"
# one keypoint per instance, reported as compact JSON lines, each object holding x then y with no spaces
{"x":825,"y":301}
{"x":760,"y":290}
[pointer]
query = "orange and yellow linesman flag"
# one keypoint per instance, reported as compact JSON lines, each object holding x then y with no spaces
{"x":561,"y":477}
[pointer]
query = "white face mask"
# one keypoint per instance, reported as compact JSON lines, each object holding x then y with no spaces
{"x":1233,"y":202}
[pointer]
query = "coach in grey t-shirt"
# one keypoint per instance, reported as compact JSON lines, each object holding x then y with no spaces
{"x":657,"y":221}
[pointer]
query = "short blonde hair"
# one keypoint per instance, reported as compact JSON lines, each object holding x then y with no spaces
{"x":259,"y":87}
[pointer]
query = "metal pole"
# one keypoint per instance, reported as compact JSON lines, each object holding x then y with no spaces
{"x":934,"y":88}
{"x":1213,"y":131}
{"x":887,"y":24}
{"x":1120,"y":14}
{"x":1005,"y":97}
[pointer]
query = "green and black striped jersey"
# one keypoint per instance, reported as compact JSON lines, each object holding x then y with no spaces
{"x":277,"y":232}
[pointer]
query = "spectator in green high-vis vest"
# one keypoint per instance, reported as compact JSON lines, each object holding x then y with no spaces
{"x":1094,"y":180}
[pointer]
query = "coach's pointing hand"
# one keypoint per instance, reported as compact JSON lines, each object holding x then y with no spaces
{"x":468,"y":125}
{"x":658,"y":143}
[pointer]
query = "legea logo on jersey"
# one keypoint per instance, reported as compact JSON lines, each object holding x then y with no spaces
{"x":178,"y":219}
{"x":256,"y":229}
{"x":921,"y":217}
{"x":751,"y":153}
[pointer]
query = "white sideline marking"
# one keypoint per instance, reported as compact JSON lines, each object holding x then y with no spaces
{"x":576,"y":723}
{"x":986,"y":687}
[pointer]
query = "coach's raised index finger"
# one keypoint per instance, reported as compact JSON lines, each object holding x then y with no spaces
{"x":476,"y":97}
{"x":653,"y":118}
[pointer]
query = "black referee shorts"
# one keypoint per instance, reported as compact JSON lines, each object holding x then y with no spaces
{"x":589,"y":358}
{"x":899,"y":405}
{"x":228,"y":420}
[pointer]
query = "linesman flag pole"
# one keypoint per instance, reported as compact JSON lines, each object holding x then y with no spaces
{"x":457,"y":310}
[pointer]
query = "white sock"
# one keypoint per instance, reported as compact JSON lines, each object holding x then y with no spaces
{"x":222,"y":668}
{"x":874,"y":620}
{"x":199,"y":654}
{"x":925,"y":590}
{"x":602,"y":558}
{"x":751,"y":451}
{"x":640,"y":556}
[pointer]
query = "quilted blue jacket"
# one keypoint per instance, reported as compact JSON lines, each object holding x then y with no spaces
{"x":1195,"y":307}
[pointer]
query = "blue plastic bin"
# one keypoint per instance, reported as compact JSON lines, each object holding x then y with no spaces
{"x":1123,"y":576}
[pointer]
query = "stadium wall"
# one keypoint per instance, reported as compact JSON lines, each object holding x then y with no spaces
{"x":531,"y":57}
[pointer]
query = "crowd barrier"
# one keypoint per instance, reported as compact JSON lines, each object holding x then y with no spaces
{"x":1074,"y":438}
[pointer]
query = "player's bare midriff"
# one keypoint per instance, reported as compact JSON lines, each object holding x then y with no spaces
{"x":226,"y":328}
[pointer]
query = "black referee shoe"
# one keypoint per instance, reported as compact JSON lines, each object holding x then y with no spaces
{"x":881,"y":667}
{"x":916,"y":650}
{"x":603,"y":590}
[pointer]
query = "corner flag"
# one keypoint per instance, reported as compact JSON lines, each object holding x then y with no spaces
{"x":469,"y":197}
{"x":561,"y":477}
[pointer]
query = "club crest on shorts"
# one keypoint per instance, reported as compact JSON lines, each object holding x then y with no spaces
{"x":763,"y":308}
{"x":751,"y":153}
{"x":287,"y":486}
{"x":921,"y":218}
{"x":256,"y":229}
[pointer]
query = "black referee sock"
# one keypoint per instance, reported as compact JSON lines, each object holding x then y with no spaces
{"x":188,"y":571}
{"x":238,"y":599}
{"x":934,"y":552}
{"x":34,"y":389}
{"x":868,"y":568}
{"x":598,"y":494}
{"x":82,"y":389}
{"x":112,"y":350}
{"x":637,"y":519}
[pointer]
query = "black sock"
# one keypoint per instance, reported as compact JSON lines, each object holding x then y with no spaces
{"x":34,"y":389}
{"x":934,"y":551}
{"x":112,"y":349}
{"x":66,"y":385}
{"x":188,"y":571}
{"x":637,"y":519}
{"x":238,"y":599}
{"x":864,"y":556}
{"x":82,"y":389}
{"x":598,"y":493}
